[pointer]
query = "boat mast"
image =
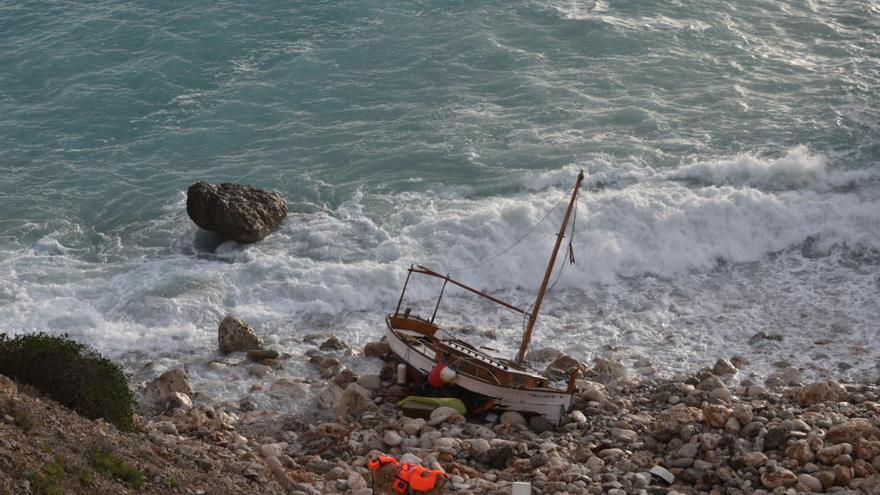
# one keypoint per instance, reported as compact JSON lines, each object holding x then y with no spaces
{"x":533,"y":317}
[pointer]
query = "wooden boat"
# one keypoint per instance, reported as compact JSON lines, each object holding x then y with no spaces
{"x":510,"y":384}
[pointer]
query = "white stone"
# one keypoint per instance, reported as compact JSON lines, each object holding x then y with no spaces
{"x":512,"y":418}
{"x":577,"y":416}
{"x":412,"y":426}
{"x":392,"y":438}
{"x":442,"y":414}
{"x":479,"y":445}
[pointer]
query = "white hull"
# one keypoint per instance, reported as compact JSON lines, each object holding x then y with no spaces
{"x":547,"y":402}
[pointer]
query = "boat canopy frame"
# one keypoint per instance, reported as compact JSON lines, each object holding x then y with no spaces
{"x":449,"y":280}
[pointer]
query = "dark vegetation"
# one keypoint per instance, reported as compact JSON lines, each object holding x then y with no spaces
{"x":114,"y":466}
{"x":71,"y":373}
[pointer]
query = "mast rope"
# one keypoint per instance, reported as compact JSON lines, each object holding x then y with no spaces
{"x":507,"y":249}
{"x":561,"y":268}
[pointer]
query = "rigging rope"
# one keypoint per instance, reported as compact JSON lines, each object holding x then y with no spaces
{"x":506,"y":250}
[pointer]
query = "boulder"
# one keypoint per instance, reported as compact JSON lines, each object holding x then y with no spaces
{"x":563,"y":366}
{"x":354,"y":401}
{"x":816,"y":393}
{"x":235,"y":212}
{"x":379,"y":350}
{"x":160,"y":389}
{"x":235,"y":335}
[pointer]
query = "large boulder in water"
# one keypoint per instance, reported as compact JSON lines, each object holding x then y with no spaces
{"x":235,"y":335}
{"x":235,"y":212}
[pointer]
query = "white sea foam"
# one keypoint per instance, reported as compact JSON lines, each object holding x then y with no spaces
{"x":648,"y":243}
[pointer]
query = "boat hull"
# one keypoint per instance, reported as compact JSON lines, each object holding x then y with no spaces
{"x":549,"y":403}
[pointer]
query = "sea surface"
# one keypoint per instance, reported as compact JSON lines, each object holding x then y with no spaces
{"x":732,"y":154}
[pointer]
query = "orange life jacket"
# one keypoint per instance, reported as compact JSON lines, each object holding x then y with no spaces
{"x":380,"y":461}
{"x":418,"y":478}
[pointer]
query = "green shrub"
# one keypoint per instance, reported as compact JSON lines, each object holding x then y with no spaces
{"x":114,"y":466}
{"x":47,"y":480}
{"x":73,"y":374}
{"x":22,"y":418}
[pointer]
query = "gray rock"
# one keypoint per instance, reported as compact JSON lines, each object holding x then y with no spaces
{"x":235,"y":212}
{"x":540,"y":424}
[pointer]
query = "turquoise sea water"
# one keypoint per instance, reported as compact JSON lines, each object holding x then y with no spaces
{"x":732,"y":153}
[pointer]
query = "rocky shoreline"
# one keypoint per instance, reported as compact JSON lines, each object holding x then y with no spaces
{"x":712,"y":431}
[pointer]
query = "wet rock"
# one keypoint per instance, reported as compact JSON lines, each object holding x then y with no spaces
{"x":333,"y":344}
{"x":262,"y":354}
{"x":379,"y":350}
{"x":167,"y":383}
{"x":723,"y":367}
{"x":543,"y":355}
{"x":235,"y":212}
{"x":815,"y":393}
{"x":235,"y":335}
